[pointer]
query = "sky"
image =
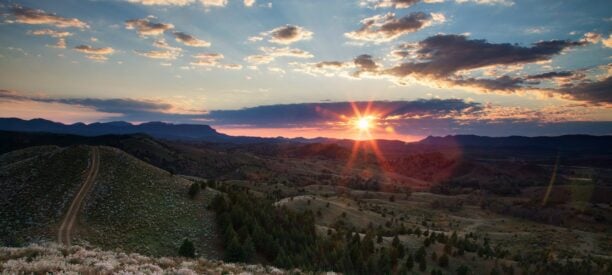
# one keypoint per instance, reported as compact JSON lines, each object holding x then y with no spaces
{"x":402,"y":69}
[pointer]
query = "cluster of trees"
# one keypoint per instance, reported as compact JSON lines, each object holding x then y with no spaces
{"x":253,"y":226}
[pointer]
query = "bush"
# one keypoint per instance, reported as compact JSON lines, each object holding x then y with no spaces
{"x":194,"y":190}
{"x":187,"y":249}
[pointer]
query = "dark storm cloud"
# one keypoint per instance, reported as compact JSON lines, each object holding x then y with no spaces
{"x":286,"y":115}
{"x":444,"y":55}
{"x":504,"y":83}
{"x":598,"y":91}
{"x":549,"y":75}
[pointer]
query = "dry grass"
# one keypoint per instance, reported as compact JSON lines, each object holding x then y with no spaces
{"x":54,"y":258}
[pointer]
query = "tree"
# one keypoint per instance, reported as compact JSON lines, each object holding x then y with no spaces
{"x":422,"y":264}
{"x":463,"y":270}
{"x":396,"y":242}
{"x":409,"y":262}
{"x":194,"y":190}
{"x":249,"y":248}
{"x":234,"y":252}
{"x":187,"y":249}
{"x":443,"y":260}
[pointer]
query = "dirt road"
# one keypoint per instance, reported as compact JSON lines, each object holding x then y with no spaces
{"x":65,"y":230}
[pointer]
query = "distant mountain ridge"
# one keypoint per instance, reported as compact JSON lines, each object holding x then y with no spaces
{"x":155,"y":129}
{"x":205,"y":133}
{"x":563,"y":143}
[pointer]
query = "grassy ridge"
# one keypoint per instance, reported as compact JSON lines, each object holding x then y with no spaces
{"x":138,"y":207}
{"x":37,"y":185}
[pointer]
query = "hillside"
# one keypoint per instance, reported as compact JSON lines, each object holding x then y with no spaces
{"x":37,"y":185}
{"x":132,"y":205}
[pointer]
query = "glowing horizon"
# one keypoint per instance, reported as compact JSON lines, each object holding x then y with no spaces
{"x":297,"y":68}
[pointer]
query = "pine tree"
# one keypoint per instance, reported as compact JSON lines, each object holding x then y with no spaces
{"x":463,"y":270}
{"x":187,"y":249}
{"x":443,"y":260}
{"x":234,"y":252}
{"x":409,"y":262}
{"x":249,"y":249}
{"x":422,"y":264}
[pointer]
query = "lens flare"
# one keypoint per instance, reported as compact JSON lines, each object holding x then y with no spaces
{"x":363,"y":123}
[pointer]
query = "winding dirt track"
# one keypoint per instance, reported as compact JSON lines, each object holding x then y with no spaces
{"x":65,"y":230}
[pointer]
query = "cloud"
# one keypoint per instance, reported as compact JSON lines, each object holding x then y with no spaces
{"x":162,"y":2}
{"x":213,"y":60}
{"x":61,"y":44}
{"x":269,"y":54}
{"x":207,"y":59}
{"x":608,"y":41}
{"x":325,"y":68}
{"x":387,"y":27}
{"x":285,"y":52}
{"x":167,"y":51}
{"x":507,"y":3}
{"x":597,"y":92}
{"x":397,"y":4}
{"x":214,"y":3}
{"x":259,"y":59}
{"x":60,"y":35}
{"x":144,"y":27}
{"x":39,"y":17}
{"x":113,"y":105}
{"x":98,"y":54}
{"x":549,"y":75}
{"x":420,"y":117}
{"x":190,"y":40}
{"x":285,"y":35}
{"x":445,"y":55}
{"x":249,"y":3}
{"x":159,"y":54}
{"x":313,"y":114}
{"x":51,"y":33}
{"x":454,"y":61}
{"x":364,"y":63}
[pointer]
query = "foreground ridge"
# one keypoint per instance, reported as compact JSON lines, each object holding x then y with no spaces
{"x":56,"y":258}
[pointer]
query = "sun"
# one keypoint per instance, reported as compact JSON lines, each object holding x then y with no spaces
{"x":363,"y":123}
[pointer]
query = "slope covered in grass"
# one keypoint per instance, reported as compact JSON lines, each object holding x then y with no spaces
{"x":138,"y":207}
{"x":37,"y":185}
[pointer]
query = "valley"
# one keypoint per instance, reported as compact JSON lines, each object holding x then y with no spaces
{"x":477,"y":211}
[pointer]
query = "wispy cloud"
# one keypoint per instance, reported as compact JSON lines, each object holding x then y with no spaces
{"x":189,"y":40}
{"x":39,"y":17}
{"x":98,"y":54}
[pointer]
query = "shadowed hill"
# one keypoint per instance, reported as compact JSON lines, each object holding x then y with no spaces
{"x":133,"y":205}
{"x":37,"y":186}
{"x":176,"y":157}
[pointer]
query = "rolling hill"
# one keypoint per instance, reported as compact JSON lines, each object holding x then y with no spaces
{"x":132,"y":206}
